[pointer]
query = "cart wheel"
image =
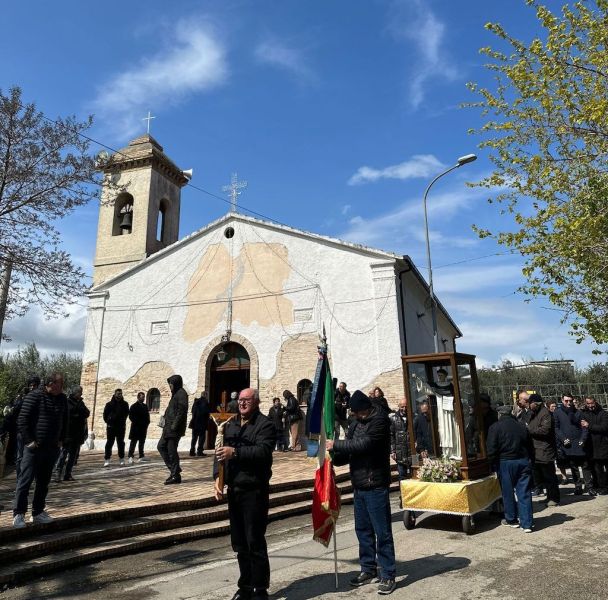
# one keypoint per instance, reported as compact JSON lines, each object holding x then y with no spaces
{"x":468,"y":525}
{"x":497,"y":508}
{"x":409,"y":519}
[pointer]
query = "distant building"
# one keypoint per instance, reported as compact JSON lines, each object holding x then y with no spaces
{"x":241,"y":302}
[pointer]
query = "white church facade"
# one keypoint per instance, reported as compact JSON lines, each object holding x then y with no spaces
{"x":241,"y":302}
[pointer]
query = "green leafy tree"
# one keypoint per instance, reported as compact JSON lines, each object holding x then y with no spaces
{"x":17,"y":367}
{"x":546,"y":130}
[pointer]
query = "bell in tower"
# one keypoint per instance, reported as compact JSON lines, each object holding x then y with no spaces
{"x":149,"y":202}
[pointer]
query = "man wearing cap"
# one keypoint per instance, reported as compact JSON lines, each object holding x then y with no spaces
{"x":367,"y":450}
{"x":509,"y":450}
{"x":542,"y":429}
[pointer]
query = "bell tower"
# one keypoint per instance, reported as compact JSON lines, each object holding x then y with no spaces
{"x":140,"y":204}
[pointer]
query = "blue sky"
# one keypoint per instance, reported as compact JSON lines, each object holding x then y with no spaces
{"x":337,"y":113}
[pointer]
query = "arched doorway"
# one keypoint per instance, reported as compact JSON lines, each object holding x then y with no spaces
{"x":230,"y":369}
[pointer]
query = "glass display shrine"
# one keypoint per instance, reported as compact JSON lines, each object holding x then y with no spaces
{"x":455,"y":427}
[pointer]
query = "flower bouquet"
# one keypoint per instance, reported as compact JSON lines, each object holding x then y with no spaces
{"x":441,"y":470}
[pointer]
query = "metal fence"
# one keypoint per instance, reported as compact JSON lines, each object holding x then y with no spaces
{"x":550,"y":391}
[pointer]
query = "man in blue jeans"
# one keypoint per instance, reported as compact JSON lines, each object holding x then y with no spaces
{"x":510,"y":451}
{"x":367,"y":450}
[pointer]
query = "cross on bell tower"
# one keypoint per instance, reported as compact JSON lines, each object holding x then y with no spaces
{"x":234,"y":190}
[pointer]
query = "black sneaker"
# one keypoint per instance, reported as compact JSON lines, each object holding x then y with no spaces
{"x":386,"y":586}
{"x":362,"y":579}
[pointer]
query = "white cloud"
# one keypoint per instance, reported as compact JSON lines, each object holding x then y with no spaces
{"x":420,"y":165}
{"x":401,"y":229}
{"x":194,"y":60}
{"x":277,"y":54}
{"x":426,"y":32}
{"x":346,"y":209}
{"x":50,"y":336}
{"x":470,"y":279}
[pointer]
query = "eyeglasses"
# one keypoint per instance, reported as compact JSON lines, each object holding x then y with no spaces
{"x":247,"y":400}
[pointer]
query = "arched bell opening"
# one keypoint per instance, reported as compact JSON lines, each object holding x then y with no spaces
{"x":122,"y":223}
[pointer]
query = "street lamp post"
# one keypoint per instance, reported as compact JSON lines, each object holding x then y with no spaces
{"x":463,"y":160}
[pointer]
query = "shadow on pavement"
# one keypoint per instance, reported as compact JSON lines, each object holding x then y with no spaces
{"x":551,"y":520}
{"x":408,"y":572}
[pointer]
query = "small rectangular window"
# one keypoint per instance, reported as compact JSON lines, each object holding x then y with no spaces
{"x":158,"y":327}
{"x":302,"y":315}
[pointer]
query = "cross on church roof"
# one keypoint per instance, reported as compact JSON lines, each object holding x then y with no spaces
{"x":234,"y":190}
{"x":148,"y":118}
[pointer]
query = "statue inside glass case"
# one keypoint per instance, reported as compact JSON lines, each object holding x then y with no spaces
{"x":439,"y":393}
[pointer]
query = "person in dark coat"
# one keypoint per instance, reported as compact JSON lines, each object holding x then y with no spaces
{"x":139,"y":415}
{"x":342,"y":405}
{"x":571,"y":440}
{"x":595,"y":421}
{"x":42,"y":425}
{"x":510,"y":450}
{"x":400,"y":440}
{"x":293,"y":416}
{"x":176,"y":417}
{"x":249,"y":440}
{"x":277,"y":415}
{"x":367,"y":449}
{"x":422,"y":431}
{"x":233,"y":405}
{"x":33,"y":383}
{"x":380,"y":401}
{"x":76,"y":423}
{"x":115,"y":416}
{"x":489,"y":415}
{"x":542,"y":430}
{"x":199,"y":423}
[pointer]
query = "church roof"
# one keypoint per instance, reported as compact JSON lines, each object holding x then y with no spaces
{"x":233,"y":216}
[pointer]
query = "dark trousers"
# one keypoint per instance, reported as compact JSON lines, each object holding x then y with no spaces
{"x":374,"y":531}
{"x":118,"y":436}
{"x":600,"y":467}
{"x":140,"y":441}
{"x":167,"y":448}
{"x":67,"y":458}
{"x":18,"y":455}
{"x":515,"y":477}
{"x":197,"y":436}
{"x":545,"y":477}
{"x":576,"y":463}
{"x":248,"y":513}
{"x":36,"y":464}
{"x":340,"y":423}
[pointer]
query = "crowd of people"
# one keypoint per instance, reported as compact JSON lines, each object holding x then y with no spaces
{"x":527,"y":444}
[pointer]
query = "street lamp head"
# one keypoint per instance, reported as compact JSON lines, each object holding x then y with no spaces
{"x":467,"y":158}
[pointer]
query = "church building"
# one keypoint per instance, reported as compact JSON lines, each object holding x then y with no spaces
{"x":241,"y":302}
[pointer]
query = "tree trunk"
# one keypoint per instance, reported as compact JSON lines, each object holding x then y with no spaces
{"x":4,"y":288}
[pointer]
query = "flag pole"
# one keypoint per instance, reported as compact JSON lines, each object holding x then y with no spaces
{"x":335,"y":555}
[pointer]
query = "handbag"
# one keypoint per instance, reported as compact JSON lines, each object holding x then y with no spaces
{"x":161,"y":422}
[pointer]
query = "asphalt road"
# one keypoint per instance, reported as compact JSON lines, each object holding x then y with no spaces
{"x":564,"y":558}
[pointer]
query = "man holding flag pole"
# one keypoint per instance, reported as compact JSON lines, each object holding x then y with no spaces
{"x":367,"y":450}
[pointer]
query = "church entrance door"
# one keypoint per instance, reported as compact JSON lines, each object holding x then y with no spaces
{"x":230,"y":374}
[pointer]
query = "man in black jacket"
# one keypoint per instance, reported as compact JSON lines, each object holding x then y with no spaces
{"x":41,"y":424}
{"x":176,"y":417}
{"x":510,"y":450}
{"x":249,"y":440}
{"x":422,"y":431}
{"x":400,"y":439}
{"x":542,"y":429}
{"x":367,"y":450}
{"x":76,"y":424}
{"x":342,"y":405}
{"x":595,"y":420}
{"x":115,"y":415}
{"x":199,"y":423}
{"x":139,"y":415}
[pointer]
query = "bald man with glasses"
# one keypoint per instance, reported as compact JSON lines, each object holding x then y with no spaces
{"x":249,"y":440}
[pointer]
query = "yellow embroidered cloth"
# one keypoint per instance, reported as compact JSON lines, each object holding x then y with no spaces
{"x":459,"y":498}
